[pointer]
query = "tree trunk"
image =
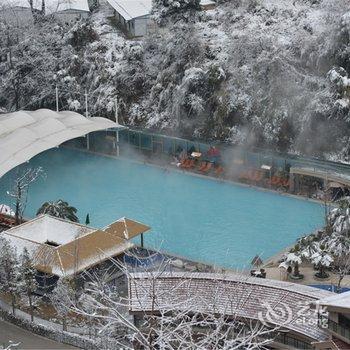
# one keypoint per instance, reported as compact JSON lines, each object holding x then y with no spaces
{"x":31,"y":307}
{"x":340,"y":279}
{"x":296,"y":269}
{"x":13,"y":303}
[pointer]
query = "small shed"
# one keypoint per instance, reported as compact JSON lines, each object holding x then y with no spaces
{"x":18,"y":13}
{"x":207,"y":5}
{"x":134,"y":16}
{"x":67,"y":11}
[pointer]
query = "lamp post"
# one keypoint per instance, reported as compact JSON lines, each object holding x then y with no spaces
{"x":87,"y":116}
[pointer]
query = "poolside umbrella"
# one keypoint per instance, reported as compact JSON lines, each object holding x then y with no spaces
{"x":256,"y":262}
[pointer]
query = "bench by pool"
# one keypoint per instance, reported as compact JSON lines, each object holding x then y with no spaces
{"x":201,"y":219}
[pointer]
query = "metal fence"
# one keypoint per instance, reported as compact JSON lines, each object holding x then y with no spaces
{"x":150,"y":143}
{"x":157,"y":143}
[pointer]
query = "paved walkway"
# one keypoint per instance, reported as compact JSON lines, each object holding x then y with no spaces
{"x":39,"y":321}
{"x":11,"y":333}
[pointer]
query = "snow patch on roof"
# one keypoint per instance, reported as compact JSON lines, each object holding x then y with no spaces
{"x":130,"y":9}
{"x":46,"y":228}
{"x":337,"y":300}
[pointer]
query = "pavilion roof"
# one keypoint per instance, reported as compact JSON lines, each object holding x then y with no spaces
{"x":64,"y":248}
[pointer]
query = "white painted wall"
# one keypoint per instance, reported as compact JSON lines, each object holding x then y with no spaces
{"x":70,"y":16}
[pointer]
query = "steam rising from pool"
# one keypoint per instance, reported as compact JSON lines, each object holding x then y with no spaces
{"x":198,"y":218}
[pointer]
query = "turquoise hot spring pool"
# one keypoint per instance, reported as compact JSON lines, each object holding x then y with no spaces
{"x":201,"y":219}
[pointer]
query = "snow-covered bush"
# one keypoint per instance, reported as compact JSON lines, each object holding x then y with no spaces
{"x":176,"y":9}
{"x":329,"y":247}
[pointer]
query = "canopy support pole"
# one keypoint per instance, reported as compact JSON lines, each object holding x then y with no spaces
{"x":87,"y":116}
{"x":117,"y":122}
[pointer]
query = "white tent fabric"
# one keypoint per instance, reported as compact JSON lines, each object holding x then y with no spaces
{"x":25,"y":134}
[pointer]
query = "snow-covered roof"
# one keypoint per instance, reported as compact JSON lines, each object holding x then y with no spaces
{"x":45,"y":228}
{"x":54,"y":6}
{"x":230,"y":294}
{"x":63,"y":248}
{"x":19,"y":3}
{"x":25,"y":134}
{"x":341,"y":300}
{"x":130,"y":9}
{"x":207,"y":3}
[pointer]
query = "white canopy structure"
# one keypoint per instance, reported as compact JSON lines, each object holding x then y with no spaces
{"x":25,"y":134}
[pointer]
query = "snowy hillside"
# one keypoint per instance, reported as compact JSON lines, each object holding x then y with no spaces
{"x":269,"y":73}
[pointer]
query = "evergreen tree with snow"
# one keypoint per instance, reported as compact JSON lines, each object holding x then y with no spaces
{"x":9,"y":273}
{"x":28,"y":282}
{"x":63,"y":297}
{"x":59,"y":209}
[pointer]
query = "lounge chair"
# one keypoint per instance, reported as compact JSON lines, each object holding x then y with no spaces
{"x":251,"y":175}
{"x":202,"y":166}
{"x":184,"y":163}
{"x":275,"y":180}
{"x":219,"y":170}
{"x":190,"y":164}
{"x":207,"y":168}
{"x":258,"y":176}
{"x":285,"y":182}
{"x":243,"y":176}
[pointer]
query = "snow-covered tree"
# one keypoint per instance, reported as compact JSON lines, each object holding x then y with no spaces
{"x":294,"y":260}
{"x":19,"y":192}
{"x":174,"y":9}
{"x":28,"y":282}
{"x":328,"y":248}
{"x":59,"y":209}
{"x":341,"y":268}
{"x":181,"y":328}
{"x":64,"y":294}
{"x":273,"y":74}
{"x":9,"y":273}
{"x":322,"y":259}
